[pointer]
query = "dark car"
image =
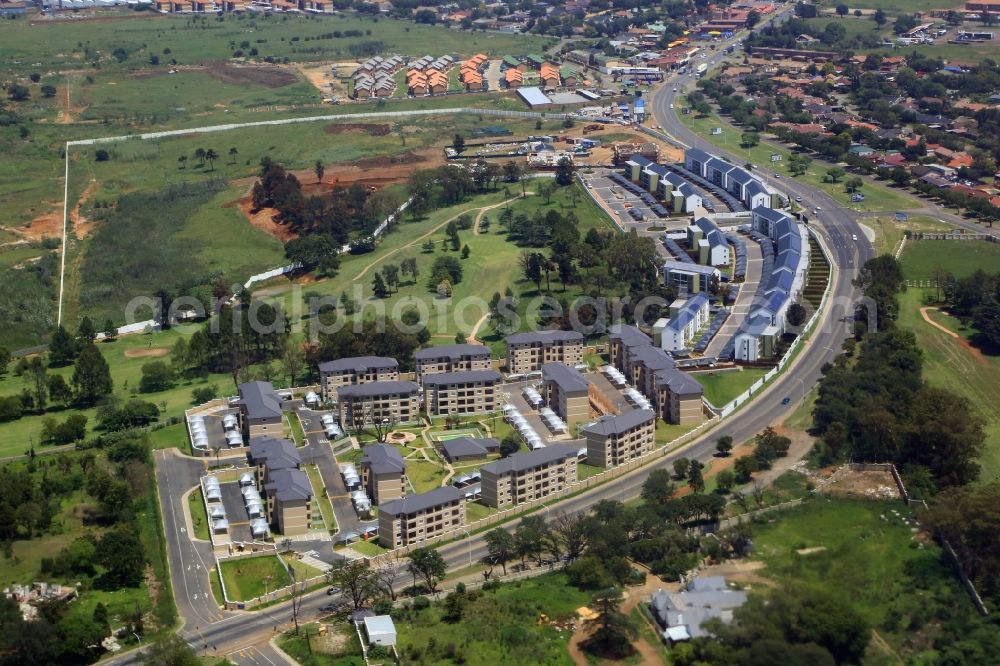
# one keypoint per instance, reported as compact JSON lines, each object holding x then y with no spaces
{"x":786,"y":401}
{"x":333,"y":590}
{"x":329,"y":608}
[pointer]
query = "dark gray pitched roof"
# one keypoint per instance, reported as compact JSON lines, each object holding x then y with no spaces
{"x":568,"y":379}
{"x":383,"y":459}
{"x":260,"y":399}
{"x":614,"y":425}
{"x":544,"y":337}
{"x":453,"y":352}
{"x":377,"y":388}
{"x":288,"y":485}
{"x":461,"y":377}
{"x":679,"y":382}
{"x":630,"y":336}
{"x":275,"y":453}
{"x":520,"y":462}
{"x":415,"y":503}
{"x":466,"y":447}
{"x":360,"y":364}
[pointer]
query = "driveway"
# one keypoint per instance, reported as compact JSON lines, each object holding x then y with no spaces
{"x":493,"y":75}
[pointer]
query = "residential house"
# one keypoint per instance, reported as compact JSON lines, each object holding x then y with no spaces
{"x":683,"y":614}
{"x":289,"y":501}
{"x":451,"y":358}
{"x":468,"y":448}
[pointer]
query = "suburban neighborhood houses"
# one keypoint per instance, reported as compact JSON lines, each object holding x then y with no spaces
{"x":578,"y":332}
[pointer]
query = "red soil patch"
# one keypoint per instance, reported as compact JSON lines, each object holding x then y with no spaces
{"x":263,"y":219}
{"x":48,"y":225}
{"x":370,"y":129}
{"x":83,"y":225}
{"x":270,"y":76}
{"x":155,"y":352}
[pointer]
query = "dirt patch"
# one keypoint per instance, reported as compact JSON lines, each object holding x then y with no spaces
{"x":81,"y":224}
{"x":965,"y":344}
{"x":371,"y":129}
{"x":867,"y":484}
{"x":269,"y":76}
{"x":151,"y":352}
{"x":740,"y":572}
{"x":810,"y":551}
{"x":333,"y":642}
{"x":48,"y":225}
{"x":263,"y":219}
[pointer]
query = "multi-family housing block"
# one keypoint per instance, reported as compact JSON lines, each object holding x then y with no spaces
{"x":613,"y":440}
{"x":463,"y":392}
{"x":451,"y":358}
{"x":383,"y":473}
{"x":528,"y":352}
{"x":566,"y":391}
{"x":356,"y":370}
{"x":260,"y":410}
{"x":416,"y":518}
{"x":524,"y":477}
{"x":359,"y":405}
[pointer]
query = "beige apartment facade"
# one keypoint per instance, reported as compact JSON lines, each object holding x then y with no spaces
{"x":528,"y":352}
{"x":524,"y":477}
{"x":567,"y":392}
{"x":452,"y":358}
{"x":359,"y":405}
{"x":356,"y":370}
{"x":415,"y":518}
{"x":289,"y":501}
{"x":383,"y":473}
{"x":466,"y":392}
{"x":616,"y":439}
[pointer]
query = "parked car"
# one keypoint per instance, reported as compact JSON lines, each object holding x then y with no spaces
{"x":333,"y":590}
{"x":786,"y":400}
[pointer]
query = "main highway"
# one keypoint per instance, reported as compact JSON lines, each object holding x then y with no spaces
{"x":245,"y":635}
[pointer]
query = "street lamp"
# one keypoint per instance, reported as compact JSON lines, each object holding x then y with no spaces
{"x":468,"y":538}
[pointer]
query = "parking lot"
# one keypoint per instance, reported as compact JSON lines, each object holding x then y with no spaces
{"x":619,"y":200}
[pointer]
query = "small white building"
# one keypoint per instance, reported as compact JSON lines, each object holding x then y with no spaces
{"x":380,"y":630}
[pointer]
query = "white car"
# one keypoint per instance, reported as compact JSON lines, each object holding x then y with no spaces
{"x":671,"y":106}
{"x":818,"y":208}
{"x":798,"y":199}
{"x":854,"y":237}
{"x":675,"y":89}
{"x":777,"y":175}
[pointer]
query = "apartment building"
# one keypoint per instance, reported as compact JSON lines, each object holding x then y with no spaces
{"x":528,"y":352}
{"x":687,"y":318}
{"x":566,"y":392}
{"x":615,"y":440}
{"x":268,"y":455}
{"x":689,"y":278}
{"x":524,"y":477}
{"x":289,"y":501}
{"x":356,"y":370}
{"x":451,"y":358}
{"x":416,"y":518}
{"x":260,"y":410}
{"x":383,"y":473}
{"x":465,"y":392}
{"x":675,"y":395}
{"x":361,"y":404}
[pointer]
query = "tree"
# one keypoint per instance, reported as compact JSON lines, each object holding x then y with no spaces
{"x":834,"y":174}
{"x":880,"y":18}
{"x":681,"y":467}
{"x":48,"y":90}
{"x":724,"y":445}
{"x":319,"y":170}
{"x":409,"y":267}
{"x":696,"y":479}
{"x":36,"y":376}
{"x":853,"y":184}
{"x":796,"y":315}
{"x":355,"y":579}
{"x":725,"y":479}
{"x":378,"y":287}
{"x":62,"y":348}
{"x":391,"y":274}
{"x":156,"y":376}
{"x":501,"y":547}
{"x":546,"y":188}
{"x":509,"y":445}
{"x":612,"y":632}
{"x":123,"y":557}
{"x":658,"y":487}
{"x":210,"y":157}
{"x":529,"y":538}
{"x":465,"y":252}
{"x":749,"y":139}
{"x":292,"y":361}
{"x":91,"y":376}
{"x":233,"y":152}
{"x":4,"y":360}
{"x":17,"y":92}
{"x":458,"y":143}
{"x":428,"y":564}
{"x":59,"y":390}
{"x":842,"y":10}
{"x":182,"y":160}
{"x":564,"y":172}
{"x":199,"y":154}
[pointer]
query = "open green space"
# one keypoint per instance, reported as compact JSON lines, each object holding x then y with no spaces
{"x":455,"y":434}
{"x":585,"y":471}
{"x":722,"y":386}
{"x":889,"y":231}
{"x":953,"y":364}
{"x":302,"y":570}
{"x":340,"y":647}
{"x":319,"y":494}
{"x":868,"y":554}
{"x":921,"y":260}
{"x":877,"y":197}
{"x":475,"y":511}
{"x":424,"y":476}
{"x":499,"y":626}
{"x":895,"y":7}
{"x":249,"y":578}
{"x":368,"y":548}
{"x":199,"y":517}
{"x":197,"y":39}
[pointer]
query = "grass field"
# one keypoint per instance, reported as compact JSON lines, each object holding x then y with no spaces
{"x":199,"y":517}
{"x":500,"y":627}
{"x":870,"y":558}
{"x":959,"y":367}
{"x":921,"y":259}
{"x":244,"y":578}
{"x":721,"y":387}
{"x":877,"y":197}
{"x":194,"y":40}
{"x":309,"y":649}
{"x":889,"y":231}
{"x":302,"y":570}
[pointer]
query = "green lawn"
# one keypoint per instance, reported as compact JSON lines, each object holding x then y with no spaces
{"x":302,"y":570}
{"x":199,"y":517}
{"x":871,"y":558}
{"x":498,"y":627}
{"x":951,"y":365}
{"x":921,"y":259}
{"x":585,"y":471}
{"x":325,"y":507}
{"x":309,"y":649}
{"x":721,"y":387}
{"x":668,"y":432}
{"x":877,"y":197}
{"x":475,"y":511}
{"x":245,"y":578}
{"x":889,"y":231}
{"x":368,"y":548}
{"x":423,"y":475}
